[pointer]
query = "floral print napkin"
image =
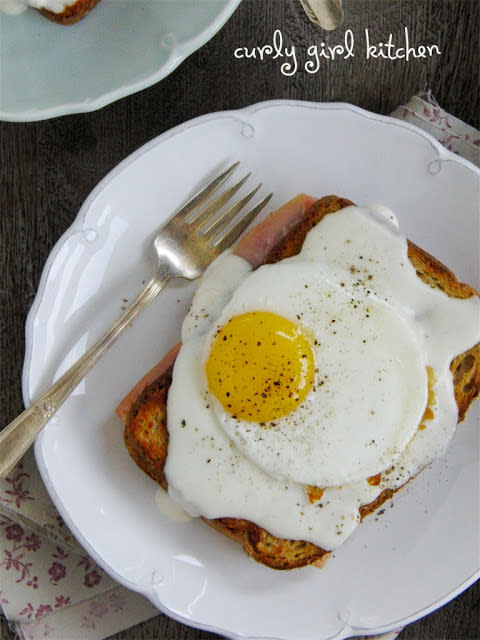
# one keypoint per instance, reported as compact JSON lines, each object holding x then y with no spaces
{"x":49,"y":587}
{"x":424,"y":112}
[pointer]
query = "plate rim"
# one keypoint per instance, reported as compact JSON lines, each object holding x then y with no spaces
{"x":178,"y":55}
{"x":243,"y":114}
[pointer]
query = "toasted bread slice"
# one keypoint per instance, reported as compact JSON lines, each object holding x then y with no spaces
{"x":71,"y":14}
{"x":146,"y":434}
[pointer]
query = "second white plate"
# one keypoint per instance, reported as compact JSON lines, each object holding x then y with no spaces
{"x":121,"y":47}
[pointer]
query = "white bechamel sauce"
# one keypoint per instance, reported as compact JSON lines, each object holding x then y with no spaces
{"x":217,"y":285}
{"x":169,"y":507}
{"x":14,"y":7}
{"x":364,"y":251}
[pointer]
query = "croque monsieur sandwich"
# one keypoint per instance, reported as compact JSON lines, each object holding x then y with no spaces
{"x":61,"y":11}
{"x":323,"y":364}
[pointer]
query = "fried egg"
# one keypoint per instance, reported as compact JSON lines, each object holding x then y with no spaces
{"x":300,"y":387}
{"x":290,"y":383}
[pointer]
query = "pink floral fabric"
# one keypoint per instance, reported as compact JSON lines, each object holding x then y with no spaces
{"x":49,"y":588}
{"x":455,"y":135}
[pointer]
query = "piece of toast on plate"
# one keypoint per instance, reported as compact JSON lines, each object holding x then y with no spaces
{"x":144,"y":410}
{"x":72,"y":13}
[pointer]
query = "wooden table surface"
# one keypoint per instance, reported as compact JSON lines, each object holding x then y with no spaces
{"x":48,"y":168}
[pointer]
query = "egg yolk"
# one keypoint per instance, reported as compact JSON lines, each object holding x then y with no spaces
{"x":260,"y":366}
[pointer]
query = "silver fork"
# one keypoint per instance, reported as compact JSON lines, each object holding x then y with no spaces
{"x":184,"y":247}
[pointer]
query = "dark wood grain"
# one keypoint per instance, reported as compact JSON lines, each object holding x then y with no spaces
{"x":48,"y":168}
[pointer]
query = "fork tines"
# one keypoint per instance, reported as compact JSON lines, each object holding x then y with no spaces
{"x":221,"y":225}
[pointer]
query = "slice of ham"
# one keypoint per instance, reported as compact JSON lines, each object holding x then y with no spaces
{"x":258,"y":241}
{"x":254,"y":245}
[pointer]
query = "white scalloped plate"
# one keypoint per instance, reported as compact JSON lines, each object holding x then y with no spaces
{"x":397,"y":566}
{"x":123,"y":46}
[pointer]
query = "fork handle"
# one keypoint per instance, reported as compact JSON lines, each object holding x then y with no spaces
{"x":20,"y":434}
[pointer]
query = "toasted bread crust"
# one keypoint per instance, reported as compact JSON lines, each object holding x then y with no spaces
{"x":71,"y":14}
{"x":146,"y":435}
{"x":292,"y":243}
{"x":262,"y":546}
